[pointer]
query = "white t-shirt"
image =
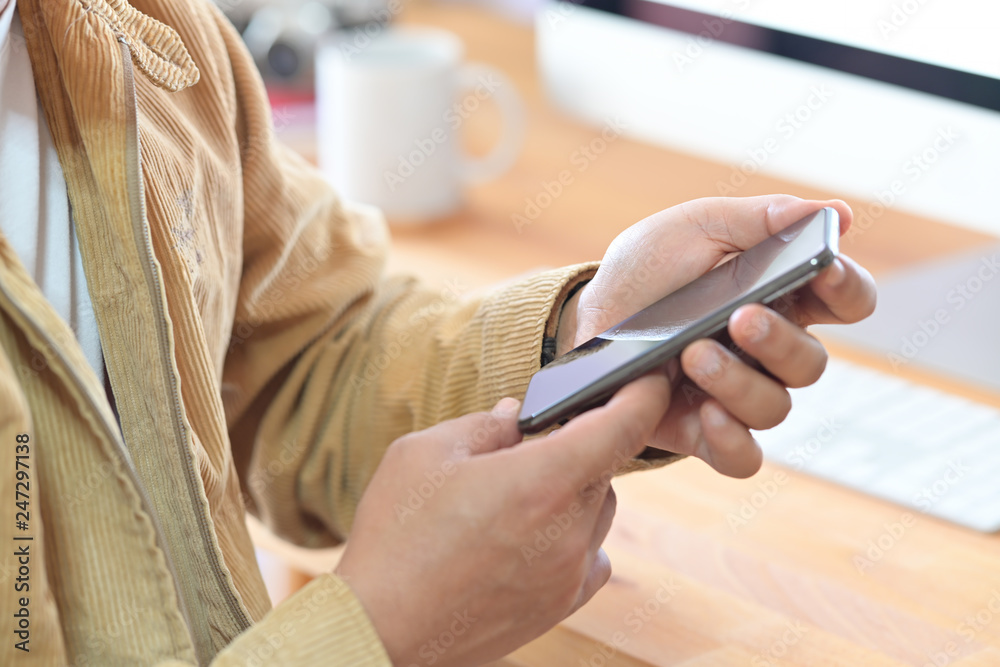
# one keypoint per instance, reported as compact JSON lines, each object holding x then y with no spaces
{"x":34,"y":206}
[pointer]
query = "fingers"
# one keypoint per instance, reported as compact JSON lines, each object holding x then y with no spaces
{"x":473,"y":434}
{"x":726,"y":443}
{"x":755,"y":399}
{"x":738,"y":223}
{"x":589,"y":445}
{"x":844,"y":293}
{"x":715,"y":426}
{"x":504,"y":414}
{"x":604,"y":519}
{"x":783,"y":348}
{"x":698,"y":426}
{"x":845,"y":212}
{"x":598,"y":575}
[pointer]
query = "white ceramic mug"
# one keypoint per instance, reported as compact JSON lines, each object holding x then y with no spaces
{"x":389,"y":109}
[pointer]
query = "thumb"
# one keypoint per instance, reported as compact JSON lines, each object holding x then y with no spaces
{"x":501,"y":425}
{"x":480,"y":432}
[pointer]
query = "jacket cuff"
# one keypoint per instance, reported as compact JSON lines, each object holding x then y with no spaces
{"x":323,"y":623}
{"x":650,"y":459}
{"x":516,"y":320}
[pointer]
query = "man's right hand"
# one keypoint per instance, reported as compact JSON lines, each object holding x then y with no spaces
{"x":462,"y":537}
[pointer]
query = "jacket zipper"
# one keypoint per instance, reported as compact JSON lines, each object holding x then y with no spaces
{"x":153,"y":281}
{"x":113,"y":436}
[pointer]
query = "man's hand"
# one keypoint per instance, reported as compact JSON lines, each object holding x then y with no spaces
{"x":724,"y":397}
{"x":465,"y":547}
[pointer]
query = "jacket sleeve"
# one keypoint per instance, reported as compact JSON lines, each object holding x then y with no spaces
{"x":331,"y":360}
{"x":323,"y":623}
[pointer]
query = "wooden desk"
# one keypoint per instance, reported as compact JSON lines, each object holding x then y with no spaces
{"x":689,"y":589}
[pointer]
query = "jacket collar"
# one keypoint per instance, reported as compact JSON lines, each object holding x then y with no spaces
{"x":157,"y":49}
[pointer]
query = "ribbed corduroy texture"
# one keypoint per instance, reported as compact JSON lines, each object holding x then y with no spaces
{"x":99,"y":590}
{"x":326,"y":602}
{"x":285,"y":364}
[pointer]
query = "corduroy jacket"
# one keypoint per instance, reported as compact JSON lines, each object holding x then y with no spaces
{"x":258,"y":356}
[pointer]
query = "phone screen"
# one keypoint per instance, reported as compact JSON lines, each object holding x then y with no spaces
{"x":699,"y":309}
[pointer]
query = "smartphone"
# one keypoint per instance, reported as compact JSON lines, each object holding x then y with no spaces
{"x":589,"y":375}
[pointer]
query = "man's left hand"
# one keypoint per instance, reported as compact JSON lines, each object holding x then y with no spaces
{"x":713,"y":418}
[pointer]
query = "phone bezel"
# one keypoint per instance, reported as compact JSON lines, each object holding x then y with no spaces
{"x":602,"y":390}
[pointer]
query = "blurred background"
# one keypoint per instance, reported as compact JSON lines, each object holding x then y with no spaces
{"x":282,"y":34}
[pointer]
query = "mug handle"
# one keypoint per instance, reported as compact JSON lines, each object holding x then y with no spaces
{"x":476,"y":76}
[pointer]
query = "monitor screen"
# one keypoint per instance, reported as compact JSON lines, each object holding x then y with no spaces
{"x":947,"y":49}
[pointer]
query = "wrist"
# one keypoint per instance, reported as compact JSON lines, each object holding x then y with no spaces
{"x":392,"y":633}
{"x":566,"y":330}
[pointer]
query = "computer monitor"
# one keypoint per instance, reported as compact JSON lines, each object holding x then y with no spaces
{"x":896,"y":102}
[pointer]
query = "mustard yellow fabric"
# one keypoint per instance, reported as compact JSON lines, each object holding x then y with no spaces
{"x":260,"y":359}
